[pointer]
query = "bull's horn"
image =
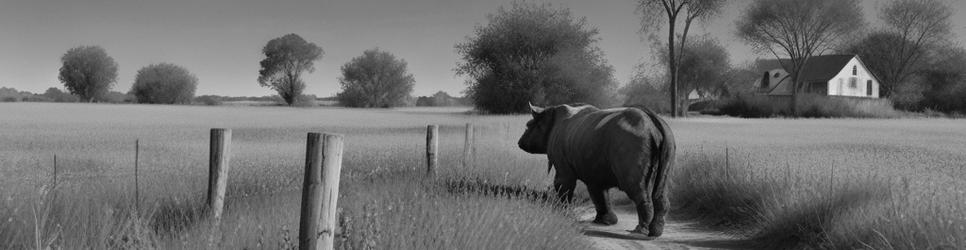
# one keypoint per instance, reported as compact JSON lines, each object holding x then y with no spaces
{"x":535,"y":109}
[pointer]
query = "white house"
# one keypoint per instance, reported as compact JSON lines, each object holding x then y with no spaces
{"x":829,"y":75}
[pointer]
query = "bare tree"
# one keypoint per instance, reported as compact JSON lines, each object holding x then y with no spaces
{"x":919,"y":25}
{"x":654,"y":12}
{"x":799,"y":30}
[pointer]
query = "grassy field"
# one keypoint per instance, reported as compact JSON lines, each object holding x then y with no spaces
{"x":884,"y":184}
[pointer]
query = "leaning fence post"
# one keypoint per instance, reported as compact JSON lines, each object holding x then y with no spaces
{"x":320,"y":191}
{"x":218,"y":169}
{"x":468,"y":141}
{"x":432,"y":145}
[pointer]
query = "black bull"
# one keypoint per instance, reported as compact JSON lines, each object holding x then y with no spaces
{"x":628,"y":148}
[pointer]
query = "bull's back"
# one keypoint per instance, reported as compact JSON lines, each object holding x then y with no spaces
{"x":591,"y":143}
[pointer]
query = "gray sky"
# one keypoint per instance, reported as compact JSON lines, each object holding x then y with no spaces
{"x":220,"y":40}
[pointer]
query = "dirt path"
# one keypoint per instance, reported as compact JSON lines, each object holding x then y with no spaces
{"x":677,"y":234}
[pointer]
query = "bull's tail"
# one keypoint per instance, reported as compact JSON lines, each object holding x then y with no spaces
{"x":664,"y":150}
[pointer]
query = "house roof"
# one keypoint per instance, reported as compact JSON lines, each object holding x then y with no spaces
{"x":818,"y":68}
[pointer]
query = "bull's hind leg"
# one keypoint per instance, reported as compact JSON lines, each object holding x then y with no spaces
{"x":645,"y":209}
{"x":661,"y":207}
{"x":604,"y":215}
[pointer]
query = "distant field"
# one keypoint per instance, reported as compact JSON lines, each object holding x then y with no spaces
{"x":820,"y":183}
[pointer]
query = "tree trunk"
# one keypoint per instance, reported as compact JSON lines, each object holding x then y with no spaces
{"x":684,"y":39}
{"x":673,"y":67}
{"x":794,"y":102}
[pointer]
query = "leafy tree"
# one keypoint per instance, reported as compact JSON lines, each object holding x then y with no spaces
{"x":534,"y":53}
{"x":118,"y":97}
{"x":88,"y":72}
{"x":704,"y":68}
{"x":164,"y":83}
{"x":918,"y":26}
{"x":375,"y":79}
{"x":943,"y":82}
{"x":654,"y":12}
{"x":740,"y":79}
{"x":648,"y":92}
{"x":878,"y":52}
{"x":899,"y":50}
{"x":798,"y":30}
{"x":11,"y":94}
{"x":286,"y":58}
{"x":210,"y":100}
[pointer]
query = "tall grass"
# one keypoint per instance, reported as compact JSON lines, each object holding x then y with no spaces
{"x":385,"y":201}
{"x":878,"y":184}
{"x":860,"y":190}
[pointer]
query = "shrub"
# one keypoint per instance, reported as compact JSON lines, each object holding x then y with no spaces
{"x":118,"y":97}
{"x":376,"y":79}
{"x":209,"y":100}
{"x":56,"y":95}
{"x":37,"y":98}
{"x":440,"y":99}
{"x":813,"y":106}
{"x":164,"y":83}
{"x":306,"y":101}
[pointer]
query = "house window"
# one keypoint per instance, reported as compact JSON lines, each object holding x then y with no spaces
{"x":868,"y":88}
{"x":764,"y":80}
{"x":853,"y":82}
{"x":855,"y":70}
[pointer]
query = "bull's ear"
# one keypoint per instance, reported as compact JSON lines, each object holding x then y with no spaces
{"x":534,"y":109}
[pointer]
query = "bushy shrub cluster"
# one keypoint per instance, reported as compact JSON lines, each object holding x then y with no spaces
{"x":164,"y":83}
{"x":812,"y":106}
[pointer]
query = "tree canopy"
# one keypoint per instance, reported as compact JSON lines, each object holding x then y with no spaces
{"x":944,"y":82}
{"x":704,"y":68}
{"x":534,"y":53}
{"x":286,"y":58}
{"x":899,"y":50}
{"x":88,"y":72}
{"x":164,"y":83}
{"x":375,"y":79}
{"x":655,"y":12}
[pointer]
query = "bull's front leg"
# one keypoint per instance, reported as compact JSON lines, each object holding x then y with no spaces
{"x":564,"y":185}
{"x":604,"y":214}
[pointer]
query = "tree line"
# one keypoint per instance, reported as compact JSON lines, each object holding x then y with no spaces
{"x":545,"y":55}
{"x":375,"y":79}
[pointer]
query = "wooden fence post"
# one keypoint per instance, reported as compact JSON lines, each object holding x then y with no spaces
{"x":468,"y":141}
{"x":432,"y":145}
{"x":218,"y":159}
{"x":320,"y":191}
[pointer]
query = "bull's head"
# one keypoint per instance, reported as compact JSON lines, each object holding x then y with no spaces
{"x":537,"y":136}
